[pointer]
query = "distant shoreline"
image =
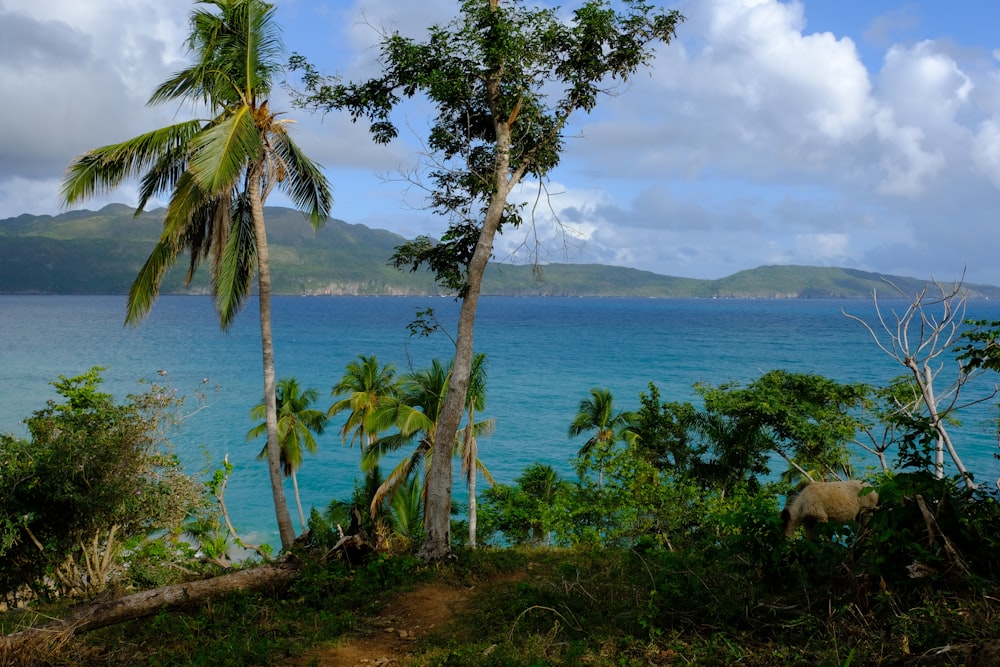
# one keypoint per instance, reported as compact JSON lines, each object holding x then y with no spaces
{"x":101,"y":252}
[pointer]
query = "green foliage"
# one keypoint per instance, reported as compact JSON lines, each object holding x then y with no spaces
{"x":927,"y":531}
{"x":521,"y":513}
{"x":665,"y":434}
{"x":806,"y":419}
{"x":598,"y":414}
{"x":156,"y":562}
{"x":980,"y":347}
{"x":297,"y":422}
{"x":636,"y":504}
{"x":406,"y":510}
{"x":93,"y":475}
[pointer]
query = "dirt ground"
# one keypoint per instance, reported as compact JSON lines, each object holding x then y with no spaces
{"x":406,"y":619}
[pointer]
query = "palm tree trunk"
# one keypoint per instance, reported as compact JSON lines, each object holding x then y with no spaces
{"x":286,"y":531}
{"x":472,"y":507}
{"x":298,"y":504}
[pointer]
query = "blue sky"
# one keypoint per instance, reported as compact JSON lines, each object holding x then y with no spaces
{"x":859,"y":133}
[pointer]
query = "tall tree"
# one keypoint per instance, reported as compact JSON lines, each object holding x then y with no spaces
{"x":597,"y":414}
{"x":504,"y":78}
{"x":218,"y":172}
{"x":297,"y":422}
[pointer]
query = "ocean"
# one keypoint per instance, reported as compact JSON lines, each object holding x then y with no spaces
{"x":544,"y":356}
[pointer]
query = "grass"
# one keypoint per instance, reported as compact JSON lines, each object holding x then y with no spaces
{"x":568,"y":607}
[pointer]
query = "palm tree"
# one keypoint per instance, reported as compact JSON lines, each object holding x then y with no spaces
{"x":597,"y":414}
{"x":738,"y":448}
{"x":364,"y":386}
{"x":297,"y":422}
{"x":414,"y":412}
{"x":475,"y":399}
{"x":219,"y":172}
{"x":406,"y":511}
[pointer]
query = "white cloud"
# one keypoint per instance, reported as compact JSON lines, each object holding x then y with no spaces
{"x":986,"y":150}
{"x":80,"y":73}
{"x":924,"y":86}
{"x":752,"y":139}
{"x":822,"y":249}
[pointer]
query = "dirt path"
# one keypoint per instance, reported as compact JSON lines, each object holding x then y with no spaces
{"x":408,"y":618}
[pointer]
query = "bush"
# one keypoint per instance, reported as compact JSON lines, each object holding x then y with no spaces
{"x":94,"y":475}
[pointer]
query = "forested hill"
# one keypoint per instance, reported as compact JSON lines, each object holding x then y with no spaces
{"x":88,"y":252}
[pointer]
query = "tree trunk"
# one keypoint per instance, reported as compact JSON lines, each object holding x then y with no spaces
{"x":925,"y":380}
{"x":298,"y":504}
{"x":147,"y":603}
{"x":437,"y":512}
{"x":285,"y":529}
{"x":473,"y":518}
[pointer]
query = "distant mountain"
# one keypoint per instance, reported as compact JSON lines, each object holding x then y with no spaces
{"x":100,"y":252}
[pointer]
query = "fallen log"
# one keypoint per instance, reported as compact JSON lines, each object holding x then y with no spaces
{"x":272,"y":576}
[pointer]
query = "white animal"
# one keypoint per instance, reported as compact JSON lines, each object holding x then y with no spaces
{"x":820,"y":502}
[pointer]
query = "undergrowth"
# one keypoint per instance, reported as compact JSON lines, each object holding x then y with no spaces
{"x":531,"y":606}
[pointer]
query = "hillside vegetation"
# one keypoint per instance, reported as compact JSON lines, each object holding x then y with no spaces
{"x":100,"y":252}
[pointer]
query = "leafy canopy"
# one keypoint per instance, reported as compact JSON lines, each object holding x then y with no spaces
{"x":501,"y":67}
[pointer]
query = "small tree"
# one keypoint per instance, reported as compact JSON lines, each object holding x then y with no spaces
{"x":665,"y":433}
{"x":504,"y":78}
{"x":520,"y":511}
{"x":597,"y":414}
{"x":297,"y":422}
{"x":805,"y":419}
{"x":94,"y":474}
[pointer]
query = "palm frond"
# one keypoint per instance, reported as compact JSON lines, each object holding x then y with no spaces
{"x":237,"y":265}
{"x":259,"y":37}
{"x":188,"y":83}
{"x":221,"y":153}
{"x":406,"y":508}
{"x":485,"y":428}
{"x":398,"y":476}
{"x":386,"y":445}
{"x":259,"y":429}
{"x":103,"y":169}
{"x":146,"y":286}
{"x":487,"y":475}
{"x":304,"y":182}
{"x":163,"y":175}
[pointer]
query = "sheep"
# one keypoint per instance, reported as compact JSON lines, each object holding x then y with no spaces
{"x":819,"y":502}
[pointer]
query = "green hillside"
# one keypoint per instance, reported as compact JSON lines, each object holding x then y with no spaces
{"x":100,"y":252}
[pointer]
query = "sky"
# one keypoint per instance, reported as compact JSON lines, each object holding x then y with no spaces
{"x":860,"y":133}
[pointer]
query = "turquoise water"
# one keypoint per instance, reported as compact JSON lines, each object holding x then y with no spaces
{"x":545,"y":354}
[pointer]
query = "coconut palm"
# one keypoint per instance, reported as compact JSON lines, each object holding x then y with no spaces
{"x":297,"y":422}
{"x":364,"y":385}
{"x":406,"y":511}
{"x":597,"y":414}
{"x":218,"y":172}
{"x":414,"y":413}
